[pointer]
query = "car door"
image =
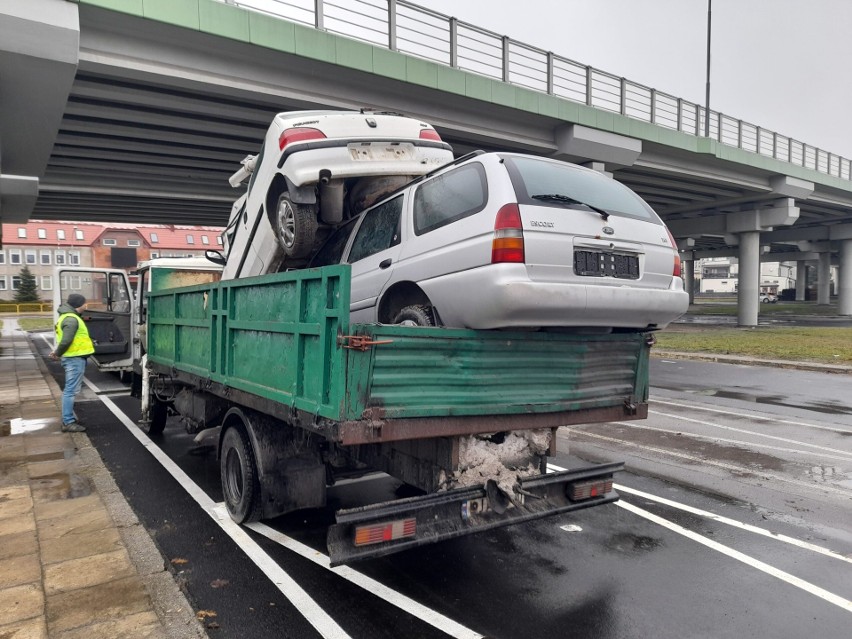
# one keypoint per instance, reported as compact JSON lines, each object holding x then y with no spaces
{"x":108,"y":314}
{"x":372,"y":254}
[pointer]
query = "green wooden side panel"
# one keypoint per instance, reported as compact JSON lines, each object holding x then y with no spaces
{"x":431,"y":372}
{"x":275,"y":336}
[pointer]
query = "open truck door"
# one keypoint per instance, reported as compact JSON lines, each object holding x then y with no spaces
{"x":108,"y":314}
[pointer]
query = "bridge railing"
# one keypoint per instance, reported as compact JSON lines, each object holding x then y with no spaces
{"x":409,"y":28}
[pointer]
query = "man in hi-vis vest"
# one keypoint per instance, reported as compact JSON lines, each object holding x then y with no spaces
{"x":74,"y":346}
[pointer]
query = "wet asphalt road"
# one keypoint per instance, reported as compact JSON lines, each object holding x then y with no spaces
{"x":606,"y":572}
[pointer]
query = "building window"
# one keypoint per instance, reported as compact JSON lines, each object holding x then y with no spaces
{"x":45,"y":258}
{"x":75,"y":282}
{"x":189,"y":255}
{"x":14,"y":256}
{"x":154,"y":238}
{"x":46,"y":283}
{"x":22,"y":232}
{"x":78,"y":234}
{"x":42,"y":234}
{"x":205,"y":240}
{"x":60,"y":234}
{"x":30,"y":256}
{"x":154,"y":255}
{"x":134,"y":243}
{"x":2,"y":282}
{"x":59,"y":256}
{"x":219,"y":240}
{"x":190,"y":239}
{"x":2,"y":256}
{"x":109,"y":242}
{"x":16,"y":282}
{"x":74,"y":258}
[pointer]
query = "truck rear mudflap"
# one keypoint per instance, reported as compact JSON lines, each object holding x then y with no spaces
{"x":390,"y":527}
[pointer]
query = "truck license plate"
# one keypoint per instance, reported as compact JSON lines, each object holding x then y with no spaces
{"x":381,"y":152}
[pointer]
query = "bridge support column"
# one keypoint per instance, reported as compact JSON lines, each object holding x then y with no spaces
{"x":688,"y":270}
{"x":824,"y":278}
{"x":801,"y":280}
{"x":749,"y":275}
{"x":844,"y":290}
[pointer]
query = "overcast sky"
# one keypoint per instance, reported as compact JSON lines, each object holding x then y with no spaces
{"x":779,"y":64}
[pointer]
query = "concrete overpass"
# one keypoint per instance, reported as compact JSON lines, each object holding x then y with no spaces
{"x":138,"y":110}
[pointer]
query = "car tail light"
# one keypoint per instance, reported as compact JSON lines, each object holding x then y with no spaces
{"x":676,"y":270}
{"x":578,"y":491}
{"x":387,"y":531}
{"x":508,"y":242}
{"x":299,"y":134}
{"x":430,"y":134}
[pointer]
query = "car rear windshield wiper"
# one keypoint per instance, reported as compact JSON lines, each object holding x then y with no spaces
{"x":567,"y":199}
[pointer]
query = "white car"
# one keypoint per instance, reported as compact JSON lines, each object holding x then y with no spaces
{"x":499,"y":240}
{"x":315,"y":170}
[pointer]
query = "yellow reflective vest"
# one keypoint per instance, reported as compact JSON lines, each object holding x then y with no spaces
{"x":82,"y":344}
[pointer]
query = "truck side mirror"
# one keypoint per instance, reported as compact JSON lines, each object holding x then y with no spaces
{"x":215,"y":256}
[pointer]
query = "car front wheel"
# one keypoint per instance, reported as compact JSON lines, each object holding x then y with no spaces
{"x":296,"y":227}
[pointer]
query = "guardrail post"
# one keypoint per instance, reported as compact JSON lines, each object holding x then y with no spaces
{"x":622,"y":107}
{"x":505,"y":58}
{"x":790,"y":150}
{"x":589,"y":71}
{"x":550,"y":73}
{"x":739,"y":134}
{"x":719,"y":126}
{"x":319,"y":16}
{"x":680,"y":114}
{"x":653,"y":106}
{"x":454,"y":43}
{"x":392,"y":25}
{"x":698,"y":111}
{"x":757,"y":140}
{"x":774,"y":145}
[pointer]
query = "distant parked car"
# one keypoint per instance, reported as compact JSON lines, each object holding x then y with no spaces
{"x":767,"y":298}
{"x":315,"y":170}
{"x":498,"y":240}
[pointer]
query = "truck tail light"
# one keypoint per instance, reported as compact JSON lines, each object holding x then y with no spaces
{"x":508,"y":242}
{"x":578,"y":491}
{"x":676,"y":270}
{"x":430,"y":134}
{"x":387,"y":531}
{"x":299,"y":134}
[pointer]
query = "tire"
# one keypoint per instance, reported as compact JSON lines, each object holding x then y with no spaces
{"x":415,"y":315}
{"x":765,"y":300}
{"x":158,"y":413}
{"x":295,"y":227}
{"x":240,"y":483}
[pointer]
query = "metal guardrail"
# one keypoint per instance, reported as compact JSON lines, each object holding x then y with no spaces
{"x":25,"y":307}
{"x":408,"y":28}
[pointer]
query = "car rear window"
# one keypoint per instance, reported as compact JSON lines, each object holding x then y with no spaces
{"x":533,"y":176}
{"x":450,"y":197}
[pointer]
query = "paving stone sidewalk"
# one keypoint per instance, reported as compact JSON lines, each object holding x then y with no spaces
{"x":75,"y":562}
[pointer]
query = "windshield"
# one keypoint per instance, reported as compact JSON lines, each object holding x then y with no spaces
{"x":543,"y":182}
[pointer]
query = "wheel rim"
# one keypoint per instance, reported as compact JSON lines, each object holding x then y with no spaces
{"x":286,"y":223}
{"x":234,"y":477}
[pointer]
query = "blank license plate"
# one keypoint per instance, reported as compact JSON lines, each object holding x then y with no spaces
{"x":381,"y":152}
{"x":603,"y":264}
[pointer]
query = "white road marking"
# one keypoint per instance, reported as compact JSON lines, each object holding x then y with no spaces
{"x":808,"y":587}
{"x":304,"y":604}
{"x":317,"y":617}
{"x":748,"y":432}
{"x":406,"y":604}
{"x":747,"y":416}
{"x":709,"y":462}
{"x":842,"y":456}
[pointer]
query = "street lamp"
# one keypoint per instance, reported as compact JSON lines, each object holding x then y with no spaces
{"x":707,"y":95}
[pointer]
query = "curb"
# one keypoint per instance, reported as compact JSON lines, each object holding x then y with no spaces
{"x":837,"y":369}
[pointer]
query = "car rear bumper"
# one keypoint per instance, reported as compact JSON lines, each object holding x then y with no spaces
{"x":502,"y":296}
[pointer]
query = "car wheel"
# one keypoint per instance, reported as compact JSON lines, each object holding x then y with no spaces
{"x":295,"y":227}
{"x":765,"y":300}
{"x":415,"y":315}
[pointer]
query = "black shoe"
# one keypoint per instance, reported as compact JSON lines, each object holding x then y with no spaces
{"x":73,"y":427}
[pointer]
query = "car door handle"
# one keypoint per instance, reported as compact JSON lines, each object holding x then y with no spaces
{"x":385,"y":263}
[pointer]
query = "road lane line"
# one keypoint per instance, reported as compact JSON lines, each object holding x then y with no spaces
{"x":842,"y":457}
{"x":701,"y":422}
{"x":808,"y":587}
{"x":406,"y":604}
{"x":303,"y":603}
{"x":709,"y":462}
{"x":748,"y":416}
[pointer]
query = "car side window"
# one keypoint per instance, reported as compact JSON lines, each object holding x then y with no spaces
{"x":378,"y":231}
{"x":331,"y":252}
{"x":450,"y":197}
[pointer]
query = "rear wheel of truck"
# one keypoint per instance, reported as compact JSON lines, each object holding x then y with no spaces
{"x":240,"y":484}
{"x":415,"y":315}
{"x":158,"y":413}
{"x":295,"y":226}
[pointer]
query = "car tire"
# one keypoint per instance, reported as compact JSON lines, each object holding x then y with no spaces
{"x":295,"y":227}
{"x":765,"y":300}
{"x":415,"y":315}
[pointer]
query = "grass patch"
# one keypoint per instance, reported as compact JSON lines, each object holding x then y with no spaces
{"x":779,"y":309}
{"x":35,"y":323}
{"x":827,"y":345}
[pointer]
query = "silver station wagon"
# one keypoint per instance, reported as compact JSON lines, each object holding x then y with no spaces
{"x":500,"y":240}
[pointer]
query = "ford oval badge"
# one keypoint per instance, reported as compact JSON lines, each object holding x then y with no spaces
{"x":608,"y":230}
